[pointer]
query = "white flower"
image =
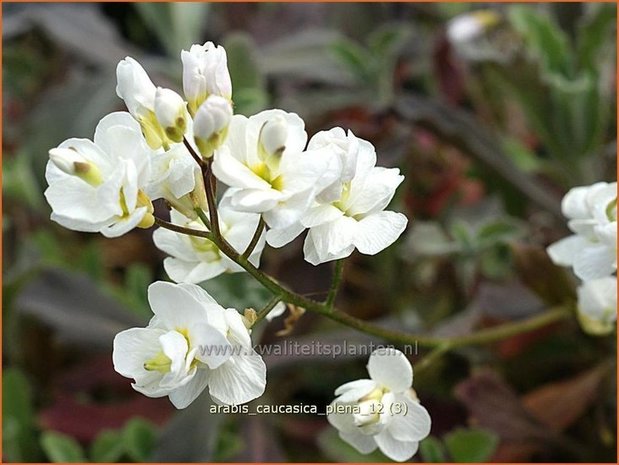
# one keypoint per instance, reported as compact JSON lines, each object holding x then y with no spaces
{"x":468,"y":27}
{"x":171,"y":113}
{"x":196,"y":259}
{"x":138,"y":91}
{"x":99,"y":186}
{"x":350,"y":214}
{"x":189,"y":344}
{"x":210,"y":126}
{"x":592,"y":214}
{"x":270,"y":172}
{"x":597,"y":305}
{"x":383,"y":411}
{"x":205,"y":72}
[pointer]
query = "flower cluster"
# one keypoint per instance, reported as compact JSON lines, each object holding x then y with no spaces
{"x":278,"y":184}
{"x":592,"y":252}
{"x":382,"y":411}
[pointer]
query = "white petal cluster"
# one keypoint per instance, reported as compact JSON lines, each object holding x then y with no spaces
{"x":265,"y":163}
{"x":592,"y":214}
{"x":592,"y":252}
{"x":205,"y":72}
{"x":350,"y":212}
{"x":98,"y":186}
{"x":190,"y":344}
{"x":382,"y":411}
{"x":194,"y":259}
{"x":165,"y":147}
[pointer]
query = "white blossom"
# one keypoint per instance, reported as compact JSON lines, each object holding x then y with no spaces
{"x":382,"y":411}
{"x":350,"y":213}
{"x":270,"y":173}
{"x":189,"y":344}
{"x":205,"y":72}
{"x":195,"y":259}
{"x":592,"y":214}
{"x":99,"y":186}
{"x":597,"y":305}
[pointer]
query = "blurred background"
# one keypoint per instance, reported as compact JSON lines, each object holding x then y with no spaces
{"x":492,"y":119}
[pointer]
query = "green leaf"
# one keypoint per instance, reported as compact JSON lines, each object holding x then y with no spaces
{"x":471,"y":445}
{"x":243,"y":62}
{"x":432,"y":450}
{"x":18,"y":435}
{"x":544,"y":38}
{"x":594,"y":35}
{"x":17,"y":397}
{"x":176,"y":25}
{"x":61,"y":448}
{"x":139,"y":439}
{"x":353,"y":57}
{"x":108,"y":446}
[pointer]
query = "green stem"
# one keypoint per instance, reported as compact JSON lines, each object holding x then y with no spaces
{"x":193,"y":153}
{"x":254,"y":240}
{"x":335,"y":283}
{"x":210,"y":197}
{"x":183,"y":230}
{"x":484,"y":336}
{"x":267,"y":308}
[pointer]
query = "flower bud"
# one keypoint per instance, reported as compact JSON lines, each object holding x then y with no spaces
{"x":210,"y":125}
{"x":205,"y":72}
{"x":71,"y":162}
{"x":135,"y":88}
{"x":171,"y":113}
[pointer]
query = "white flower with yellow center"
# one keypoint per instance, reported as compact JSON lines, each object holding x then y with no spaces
{"x":350,"y":213}
{"x":382,"y":411}
{"x":99,"y":186}
{"x":189,"y":344}
{"x":195,"y":259}
{"x":592,"y":214}
{"x":264,"y":162}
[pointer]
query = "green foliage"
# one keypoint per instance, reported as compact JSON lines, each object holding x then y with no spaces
{"x":139,"y":439}
{"x":373,"y":66}
{"x":18,"y":438}
{"x":248,"y":82}
{"x":176,"y":25}
{"x":237,"y":290}
{"x":471,"y":445}
{"x":108,"y":447}
{"x":432,"y":450}
{"x":61,"y":448}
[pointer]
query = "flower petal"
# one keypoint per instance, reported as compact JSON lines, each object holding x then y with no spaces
{"x":355,"y":390}
{"x":413,"y":424}
{"x":378,"y":231}
{"x":280,"y":237}
{"x":241,"y":379}
{"x":174,"y":307}
{"x":213,"y":346}
{"x":391,"y":368}
{"x":395,"y":449}
{"x":132,"y":348}
{"x":363,"y":443}
{"x":232,"y":172}
{"x":563,"y":251}
{"x":185,"y":395}
{"x":594,"y":262}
